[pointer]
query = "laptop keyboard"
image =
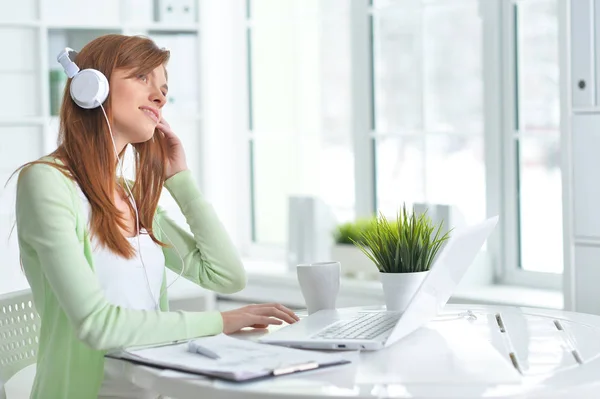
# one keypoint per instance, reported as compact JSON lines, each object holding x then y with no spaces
{"x":365,"y":326}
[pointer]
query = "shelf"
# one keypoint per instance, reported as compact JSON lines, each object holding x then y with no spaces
{"x":25,"y":121}
{"x":20,"y":24}
{"x":153,"y":27}
{"x":158,"y":27}
{"x":92,"y":27}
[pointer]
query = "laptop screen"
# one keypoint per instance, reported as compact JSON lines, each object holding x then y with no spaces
{"x":445,"y":274}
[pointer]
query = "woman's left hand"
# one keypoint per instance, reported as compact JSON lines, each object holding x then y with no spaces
{"x":176,"y":161}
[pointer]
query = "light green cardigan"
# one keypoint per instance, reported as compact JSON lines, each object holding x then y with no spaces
{"x":78,"y":325}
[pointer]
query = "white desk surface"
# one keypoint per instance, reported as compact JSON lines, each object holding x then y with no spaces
{"x":549,"y":368}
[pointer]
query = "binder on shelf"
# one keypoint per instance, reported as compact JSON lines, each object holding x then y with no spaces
{"x":58,"y":80}
{"x":177,"y":12}
{"x":238,"y":360}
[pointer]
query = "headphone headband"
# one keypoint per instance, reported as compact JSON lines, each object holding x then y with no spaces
{"x":66,"y":59}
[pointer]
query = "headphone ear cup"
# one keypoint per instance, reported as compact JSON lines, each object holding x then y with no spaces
{"x":89,"y":88}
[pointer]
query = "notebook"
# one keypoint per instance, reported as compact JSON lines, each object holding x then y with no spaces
{"x":239,"y":360}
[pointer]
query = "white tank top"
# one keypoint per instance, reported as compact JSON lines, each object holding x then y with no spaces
{"x":125,"y":283}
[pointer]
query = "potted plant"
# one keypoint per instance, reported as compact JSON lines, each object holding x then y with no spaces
{"x":354,"y":262}
{"x":403,"y":250}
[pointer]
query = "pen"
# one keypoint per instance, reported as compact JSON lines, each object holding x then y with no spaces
{"x":568,"y":342}
{"x":195,"y":348}
{"x":512,"y":354}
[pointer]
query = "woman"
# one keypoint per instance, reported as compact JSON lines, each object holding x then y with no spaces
{"x":95,"y":257}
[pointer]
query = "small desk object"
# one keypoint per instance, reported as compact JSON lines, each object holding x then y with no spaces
{"x":553,"y":354}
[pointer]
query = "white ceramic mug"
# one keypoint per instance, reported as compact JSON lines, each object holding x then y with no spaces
{"x":320,"y":284}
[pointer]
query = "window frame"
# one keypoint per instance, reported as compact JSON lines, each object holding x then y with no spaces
{"x":512,"y":273}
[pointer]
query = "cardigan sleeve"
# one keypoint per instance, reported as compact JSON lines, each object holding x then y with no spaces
{"x":46,"y":227}
{"x":210,"y":259}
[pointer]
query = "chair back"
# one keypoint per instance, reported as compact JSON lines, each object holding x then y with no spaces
{"x":19,"y":329}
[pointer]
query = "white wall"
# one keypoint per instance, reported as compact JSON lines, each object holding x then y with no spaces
{"x":222,"y":154}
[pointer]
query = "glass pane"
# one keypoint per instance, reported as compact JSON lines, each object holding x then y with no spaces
{"x":540,"y":194}
{"x":400,"y":173}
{"x":541,"y":205}
{"x":272,"y":77}
{"x":306,"y":164}
{"x":453,"y":64}
{"x":538,"y":66}
{"x":397,"y":70}
{"x":336,"y":70}
{"x":422,"y":58}
{"x":455,"y":174}
{"x":301,"y":109}
{"x":300,"y":68}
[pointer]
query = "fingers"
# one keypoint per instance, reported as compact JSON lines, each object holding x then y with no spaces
{"x":288,"y":312}
{"x":264,"y":320}
{"x":257,"y":316}
{"x":274,"y":312}
{"x":164,"y":122}
{"x":165,"y":128}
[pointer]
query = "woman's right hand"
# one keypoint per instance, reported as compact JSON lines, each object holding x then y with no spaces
{"x":257,"y":316}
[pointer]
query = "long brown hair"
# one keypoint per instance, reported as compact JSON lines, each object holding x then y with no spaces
{"x":86,"y":150}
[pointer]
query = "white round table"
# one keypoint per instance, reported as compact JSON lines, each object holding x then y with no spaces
{"x":557,"y":353}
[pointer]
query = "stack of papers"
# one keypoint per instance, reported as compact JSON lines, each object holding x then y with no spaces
{"x":239,"y":360}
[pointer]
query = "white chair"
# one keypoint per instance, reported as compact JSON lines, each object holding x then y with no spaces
{"x":19,"y":329}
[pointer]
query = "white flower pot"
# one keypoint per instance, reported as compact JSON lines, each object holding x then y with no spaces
{"x":355,"y":264}
{"x":399,"y":288}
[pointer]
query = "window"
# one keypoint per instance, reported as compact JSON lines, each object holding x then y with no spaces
{"x":536,"y":136}
{"x":429,"y":137}
{"x":424,"y":87}
{"x":532,"y":192}
{"x":299,"y":137}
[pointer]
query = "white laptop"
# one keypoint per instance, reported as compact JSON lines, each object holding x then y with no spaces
{"x":372,"y":330}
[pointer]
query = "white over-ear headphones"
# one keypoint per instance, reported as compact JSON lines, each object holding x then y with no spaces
{"x":89,"y":87}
